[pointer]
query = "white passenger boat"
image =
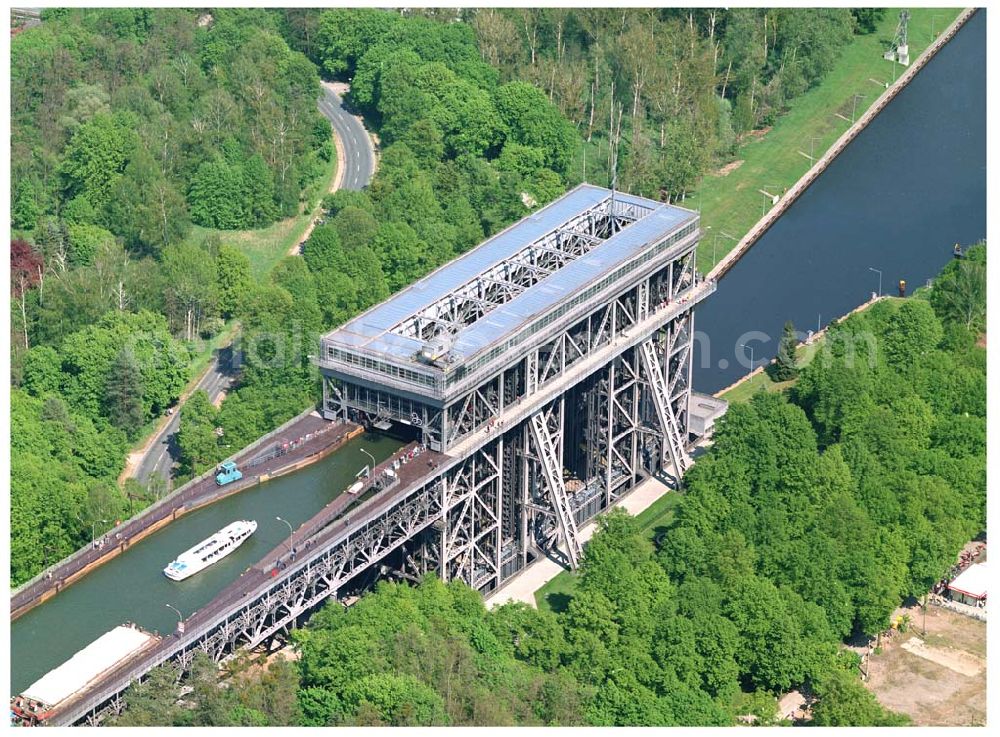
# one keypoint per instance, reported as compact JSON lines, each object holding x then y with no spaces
{"x":210,"y":551}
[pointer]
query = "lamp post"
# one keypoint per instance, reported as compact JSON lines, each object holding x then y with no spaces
{"x":877,"y":271}
{"x":370,"y":456}
{"x":180,"y":618}
{"x":812,"y":146}
{"x":750,"y":372}
{"x":724,"y":234}
{"x":924,"y":628}
{"x":93,"y":530}
{"x":854,"y":106}
{"x":768,"y":199}
{"x":291,"y":532}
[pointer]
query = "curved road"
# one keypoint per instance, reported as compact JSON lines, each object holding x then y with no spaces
{"x":358,"y":166}
{"x":355,"y":143}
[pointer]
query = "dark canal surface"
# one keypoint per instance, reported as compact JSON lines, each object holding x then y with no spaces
{"x":132,"y":586}
{"x":909,"y":187}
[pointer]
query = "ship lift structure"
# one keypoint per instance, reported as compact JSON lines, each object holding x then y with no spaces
{"x":553,"y":362}
{"x":546,"y":373}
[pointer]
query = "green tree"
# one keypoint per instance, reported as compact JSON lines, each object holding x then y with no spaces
{"x":842,"y":701}
{"x":356,"y":227}
{"x":913,"y":331}
{"x":391,"y":700}
{"x":533,"y":120}
{"x":402,"y":254}
{"x":24,"y":209}
{"x":84,"y":241}
{"x":468,"y":120}
{"x":123,"y":393}
{"x":196,"y":438}
{"x":959,"y":293}
{"x":234,"y":279}
{"x":784,"y":368}
{"x":218,"y":197}
{"x":146,"y":207}
{"x":190,"y":275}
{"x":96,"y":156}
{"x":259,"y":195}
{"x":866,"y":19}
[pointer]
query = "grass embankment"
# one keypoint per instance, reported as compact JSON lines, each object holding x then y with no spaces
{"x":731,"y":204}
{"x":267,"y":246}
{"x":762,"y":382}
{"x":654,"y":521}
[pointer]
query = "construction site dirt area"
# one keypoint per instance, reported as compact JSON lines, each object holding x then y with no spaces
{"x":937,"y":679}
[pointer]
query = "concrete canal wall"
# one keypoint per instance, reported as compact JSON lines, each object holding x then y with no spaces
{"x":838,"y":146}
{"x":815,"y":336}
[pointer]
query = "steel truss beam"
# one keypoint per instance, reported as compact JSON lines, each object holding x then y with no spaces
{"x":549,"y":453}
{"x":664,"y":409}
{"x":533,"y":263}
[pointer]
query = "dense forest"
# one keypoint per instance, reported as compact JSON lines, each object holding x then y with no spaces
{"x":680,"y":86}
{"x":141,"y":122}
{"x":813,"y":516}
{"x":129,"y":128}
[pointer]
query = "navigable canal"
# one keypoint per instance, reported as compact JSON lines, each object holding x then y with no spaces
{"x":909,"y":187}
{"x":132,"y":586}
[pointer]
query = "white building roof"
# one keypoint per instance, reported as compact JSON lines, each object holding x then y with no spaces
{"x":100,"y":655}
{"x":971,"y":581}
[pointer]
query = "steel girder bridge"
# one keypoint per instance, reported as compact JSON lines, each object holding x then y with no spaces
{"x":548,"y":371}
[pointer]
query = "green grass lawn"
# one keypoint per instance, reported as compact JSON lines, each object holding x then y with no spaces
{"x":659,"y":515}
{"x":731,"y":204}
{"x":556,"y":594}
{"x":267,"y":246}
{"x":762,"y":382}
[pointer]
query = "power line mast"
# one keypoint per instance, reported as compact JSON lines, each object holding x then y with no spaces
{"x":899,"y":51}
{"x":615,"y":137}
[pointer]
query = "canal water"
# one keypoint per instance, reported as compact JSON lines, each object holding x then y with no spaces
{"x":132,"y":586}
{"x":909,"y":187}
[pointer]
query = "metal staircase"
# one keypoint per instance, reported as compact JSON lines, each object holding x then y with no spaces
{"x":549,"y":458}
{"x":664,"y":409}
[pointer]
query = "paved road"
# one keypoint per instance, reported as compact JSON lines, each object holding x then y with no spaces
{"x":162,"y":454}
{"x":359,"y":166}
{"x":359,"y":155}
